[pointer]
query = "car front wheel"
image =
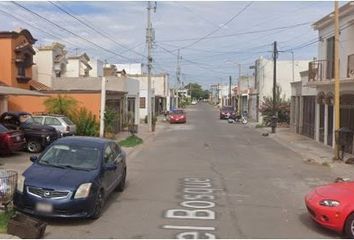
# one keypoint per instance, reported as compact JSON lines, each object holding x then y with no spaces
{"x":98,"y":205}
{"x":349,"y":226}
{"x":34,"y":146}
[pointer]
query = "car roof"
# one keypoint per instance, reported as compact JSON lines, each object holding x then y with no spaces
{"x":90,"y":141}
{"x":16,"y":113}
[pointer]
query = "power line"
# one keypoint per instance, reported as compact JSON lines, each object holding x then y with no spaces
{"x":66,"y":30}
{"x":241,"y":33}
{"x":216,"y":30}
{"x":94,"y":29}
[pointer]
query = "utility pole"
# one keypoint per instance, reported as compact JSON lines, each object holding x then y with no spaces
{"x":229,"y":91}
{"x":103,"y":105}
{"x":149,"y":40}
{"x":217,"y":90}
{"x":178,"y":75}
{"x":239,"y":89}
{"x":274,"y":117}
{"x":336,"y":75}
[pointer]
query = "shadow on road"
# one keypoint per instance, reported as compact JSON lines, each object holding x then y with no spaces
{"x":306,"y":220}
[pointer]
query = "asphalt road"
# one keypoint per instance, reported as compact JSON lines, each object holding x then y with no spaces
{"x":205,"y":179}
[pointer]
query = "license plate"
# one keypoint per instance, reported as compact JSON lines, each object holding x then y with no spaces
{"x":44,"y":207}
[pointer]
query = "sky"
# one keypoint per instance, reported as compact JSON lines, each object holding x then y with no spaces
{"x":213,"y":37}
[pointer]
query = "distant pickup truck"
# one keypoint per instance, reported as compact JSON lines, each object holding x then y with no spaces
{"x":37,"y":136}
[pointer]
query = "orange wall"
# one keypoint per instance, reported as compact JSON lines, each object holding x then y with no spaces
{"x":8,"y":67}
{"x":6,"y":61}
{"x":31,"y":104}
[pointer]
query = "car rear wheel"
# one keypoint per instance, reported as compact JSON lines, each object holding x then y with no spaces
{"x":34,"y":146}
{"x":349,"y":226}
{"x":121,"y":185}
{"x":98,"y":206}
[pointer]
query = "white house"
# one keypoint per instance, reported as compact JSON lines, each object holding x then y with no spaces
{"x":161,"y":92}
{"x":50,"y":62}
{"x":97,"y":67}
{"x":321,"y":74}
{"x":131,"y":68}
{"x":78,"y":66}
{"x":287,"y":72}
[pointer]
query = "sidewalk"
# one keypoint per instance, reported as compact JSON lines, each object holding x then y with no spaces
{"x":312,"y":152}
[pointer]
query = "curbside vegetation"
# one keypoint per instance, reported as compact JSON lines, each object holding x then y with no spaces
{"x":131,"y":141}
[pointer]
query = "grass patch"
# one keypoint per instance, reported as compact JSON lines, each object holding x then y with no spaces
{"x":4,"y":219}
{"x":131,"y":141}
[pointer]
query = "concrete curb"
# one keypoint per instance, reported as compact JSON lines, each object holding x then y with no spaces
{"x":8,"y":236}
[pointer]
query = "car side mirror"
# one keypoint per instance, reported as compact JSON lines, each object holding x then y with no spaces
{"x":110,"y":167}
{"x":33,"y":158}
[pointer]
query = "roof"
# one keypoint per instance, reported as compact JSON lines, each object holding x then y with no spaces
{"x":52,"y":46}
{"x":344,"y":10}
{"x":16,"y":34}
{"x":4,"y":90}
{"x":35,"y":85}
{"x":89,"y":141}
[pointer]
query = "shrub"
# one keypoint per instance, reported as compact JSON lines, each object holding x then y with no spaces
{"x":282,"y":108}
{"x":64,"y":105}
{"x":110,"y":117}
{"x":86,"y":124}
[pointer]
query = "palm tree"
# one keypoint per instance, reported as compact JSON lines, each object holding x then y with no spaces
{"x":64,"y":105}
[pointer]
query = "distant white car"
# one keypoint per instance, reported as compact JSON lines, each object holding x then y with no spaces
{"x":194,"y":102}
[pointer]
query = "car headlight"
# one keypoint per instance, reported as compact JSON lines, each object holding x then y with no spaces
{"x":48,"y":138}
{"x":83,"y":191}
{"x":20,"y":183}
{"x":329,"y":203}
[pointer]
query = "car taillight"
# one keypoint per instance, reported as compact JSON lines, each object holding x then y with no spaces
{"x":67,"y":128}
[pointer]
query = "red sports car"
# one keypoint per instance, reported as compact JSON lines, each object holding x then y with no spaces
{"x":11,"y":140}
{"x":178,"y":116}
{"x":332,"y":206}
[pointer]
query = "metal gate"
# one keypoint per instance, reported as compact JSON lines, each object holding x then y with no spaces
{"x":308,"y":124}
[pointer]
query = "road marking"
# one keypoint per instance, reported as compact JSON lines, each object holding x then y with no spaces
{"x":189,"y":227}
{"x":197,"y":204}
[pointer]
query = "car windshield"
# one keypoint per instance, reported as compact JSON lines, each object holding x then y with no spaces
{"x":67,"y":121}
{"x":26,"y":118}
{"x":3,"y":129}
{"x":177,"y":112}
{"x":71,"y":156}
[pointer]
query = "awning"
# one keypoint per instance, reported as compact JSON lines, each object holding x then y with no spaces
{"x":18,"y":91}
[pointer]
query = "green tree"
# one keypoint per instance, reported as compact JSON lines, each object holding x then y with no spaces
{"x":64,"y":105}
{"x":86,"y":123}
{"x":282,"y":108}
{"x":196,"y":91}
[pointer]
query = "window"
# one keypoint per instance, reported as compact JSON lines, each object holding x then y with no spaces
{"x":52,"y":121}
{"x":350,"y":72}
{"x":330,"y":58}
{"x":108,"y":154}
{"x":38,"y":119}
{"x":21,"y":70}
{"x":116,"y":149}
{"x":67,"y":121}
{"x":3,"y":129}
{"x":142,"y":102}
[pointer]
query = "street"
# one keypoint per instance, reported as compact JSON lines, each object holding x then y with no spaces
{"x":207,"y":179}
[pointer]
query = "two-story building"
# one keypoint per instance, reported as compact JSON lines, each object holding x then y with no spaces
{"x":78,"y":66}
{"x":16,"y":61}
{"x":321,"y":77}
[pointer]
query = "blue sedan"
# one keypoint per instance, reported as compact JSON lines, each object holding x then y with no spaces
{"x":72,"y":178}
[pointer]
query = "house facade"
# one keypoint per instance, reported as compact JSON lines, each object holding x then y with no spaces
{"x":160,"y":93}
{"x":78,"y":66}
{"x":321,"y":74}
{"x":50,"y":62}
{"x":287,"y":72}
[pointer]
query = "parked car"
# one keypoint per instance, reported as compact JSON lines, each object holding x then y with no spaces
{"x":60,"y":122}
{"x":37,"y":136}
{"x":72,"y":178}
{"x":178,"y":116}
{"x":332,"y":206}
{"x":194,"y":102}
{"x":226,"y":112}
{"x":11,"y":140}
